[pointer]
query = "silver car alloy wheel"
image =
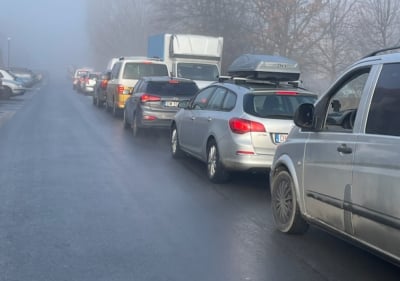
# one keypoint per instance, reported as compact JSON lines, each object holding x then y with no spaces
{"x":174,"y":141}
{"x":212,"y":160}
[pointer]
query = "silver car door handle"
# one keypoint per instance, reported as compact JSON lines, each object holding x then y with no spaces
{"x":209,"y":119}
{"x":343,"y":148}
{"x":192,"y":117}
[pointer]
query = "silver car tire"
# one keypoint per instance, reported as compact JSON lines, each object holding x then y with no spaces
{"x":176,"y":151}
{"x":215,"y":170}
{"x":285,"y":209}
{"x":135,"y":127}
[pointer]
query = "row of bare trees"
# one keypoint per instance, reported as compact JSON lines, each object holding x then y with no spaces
{"x":324,"y":36}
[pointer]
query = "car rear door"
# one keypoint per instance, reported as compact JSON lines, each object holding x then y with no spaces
{"x":190,"y":132}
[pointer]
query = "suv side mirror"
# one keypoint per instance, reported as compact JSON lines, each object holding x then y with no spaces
{"x":304,"y":116}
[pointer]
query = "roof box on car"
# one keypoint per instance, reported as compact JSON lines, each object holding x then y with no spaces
{"x":265,"y":67}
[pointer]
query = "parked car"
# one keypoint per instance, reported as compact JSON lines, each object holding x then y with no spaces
{"x":340,"y":168}
{"x":12,"y":88}
{"x":236,"y":124}
{"x":27,"y":76}
{"x":124,"y":75}
{"x":100,"y":89}
{"x":154,"y":102}
{"x":89,"y":81}
{"x":7,"y":75}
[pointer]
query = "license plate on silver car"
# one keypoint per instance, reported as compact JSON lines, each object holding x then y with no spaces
{"x":171,"y":103}
{"x":280,"y":138}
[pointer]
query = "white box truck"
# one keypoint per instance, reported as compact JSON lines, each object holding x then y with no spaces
{"x":195,"y":57}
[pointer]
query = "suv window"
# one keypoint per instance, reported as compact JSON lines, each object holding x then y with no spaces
{"x":133,"y":70}
{"x":343,"y":104}
{"x":115,"y":70}
{"x":171,"y":88}
{"x":384,"y":110}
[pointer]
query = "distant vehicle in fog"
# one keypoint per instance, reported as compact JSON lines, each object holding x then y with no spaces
{"x":124,"y":75}
{"x":89,"y":82}
{"x":100,"y":89}
{"x":78,"y":77}
{"x":194,"y":57}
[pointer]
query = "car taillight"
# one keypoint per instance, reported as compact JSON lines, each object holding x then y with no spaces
{"x":120,"y":89}
{"x":148,"y":97}
{"x":242,"y":126}
{"x":286,"y":93}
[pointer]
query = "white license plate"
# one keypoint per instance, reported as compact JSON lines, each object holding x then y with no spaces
{"x":172,"y":103}
{"x":280,"y":138}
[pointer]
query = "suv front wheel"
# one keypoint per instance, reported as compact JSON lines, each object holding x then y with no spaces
{"x":285,"y":209}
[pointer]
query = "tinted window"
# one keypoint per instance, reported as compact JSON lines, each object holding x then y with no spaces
{"x":343,"y":104}
{"x":274,"y":105}
{"x":138,"y":70}
{"x":383,"y":117}
{"x":229,"y":101}
{"x":202,"y":98}
{"x":171,"y":88}
{"x":115,"y":70}
{"x":217,"y":99}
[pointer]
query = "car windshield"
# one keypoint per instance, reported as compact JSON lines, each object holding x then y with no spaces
{"x":172,"y":88}
{"x":138,"y":70}
{"x":275,"y":105}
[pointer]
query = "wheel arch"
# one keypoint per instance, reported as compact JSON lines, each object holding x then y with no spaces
{"x":284,"y":162}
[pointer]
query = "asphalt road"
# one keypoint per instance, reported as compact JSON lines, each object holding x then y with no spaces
{"x":80,"y":199}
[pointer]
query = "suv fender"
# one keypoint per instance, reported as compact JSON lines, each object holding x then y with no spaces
{"x":285,"y":162}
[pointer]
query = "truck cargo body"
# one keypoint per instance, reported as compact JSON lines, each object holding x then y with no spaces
{"x":189,"y":56}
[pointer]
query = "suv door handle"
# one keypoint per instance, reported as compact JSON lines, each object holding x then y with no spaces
{"x":343,"y":148}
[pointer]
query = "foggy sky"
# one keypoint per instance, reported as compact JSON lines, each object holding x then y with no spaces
{"x":45,"y":34}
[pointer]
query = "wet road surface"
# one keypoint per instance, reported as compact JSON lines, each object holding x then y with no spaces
{"x":81,"y":199}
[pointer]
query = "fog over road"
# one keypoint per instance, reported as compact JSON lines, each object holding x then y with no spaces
{"x":80,"y":199}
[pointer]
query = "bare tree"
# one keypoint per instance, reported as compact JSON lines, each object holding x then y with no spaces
{"x":230,"y":19}
{"x":334,"y":52}
{"x":117,"y":28}
{"x":377,"y":25}
{"x":288,"y":27}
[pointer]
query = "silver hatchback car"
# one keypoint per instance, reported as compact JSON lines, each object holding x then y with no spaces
{"x":236,"y":125}
{"x":340,"y":168}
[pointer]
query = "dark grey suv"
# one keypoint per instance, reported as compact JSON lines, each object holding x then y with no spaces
{"x":154,"y":102}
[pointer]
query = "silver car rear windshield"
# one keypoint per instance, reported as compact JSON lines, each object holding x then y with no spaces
{"x":278,"y":106}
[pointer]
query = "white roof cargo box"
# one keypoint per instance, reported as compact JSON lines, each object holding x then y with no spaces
{"x":265,"y":67}
{"x":196,"y":46}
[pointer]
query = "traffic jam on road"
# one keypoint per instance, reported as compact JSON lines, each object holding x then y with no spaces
{"x":162,"y":167}
{"x":332,"y":170}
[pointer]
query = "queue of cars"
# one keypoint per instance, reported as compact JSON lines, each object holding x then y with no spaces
{"x":338,"y":168}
